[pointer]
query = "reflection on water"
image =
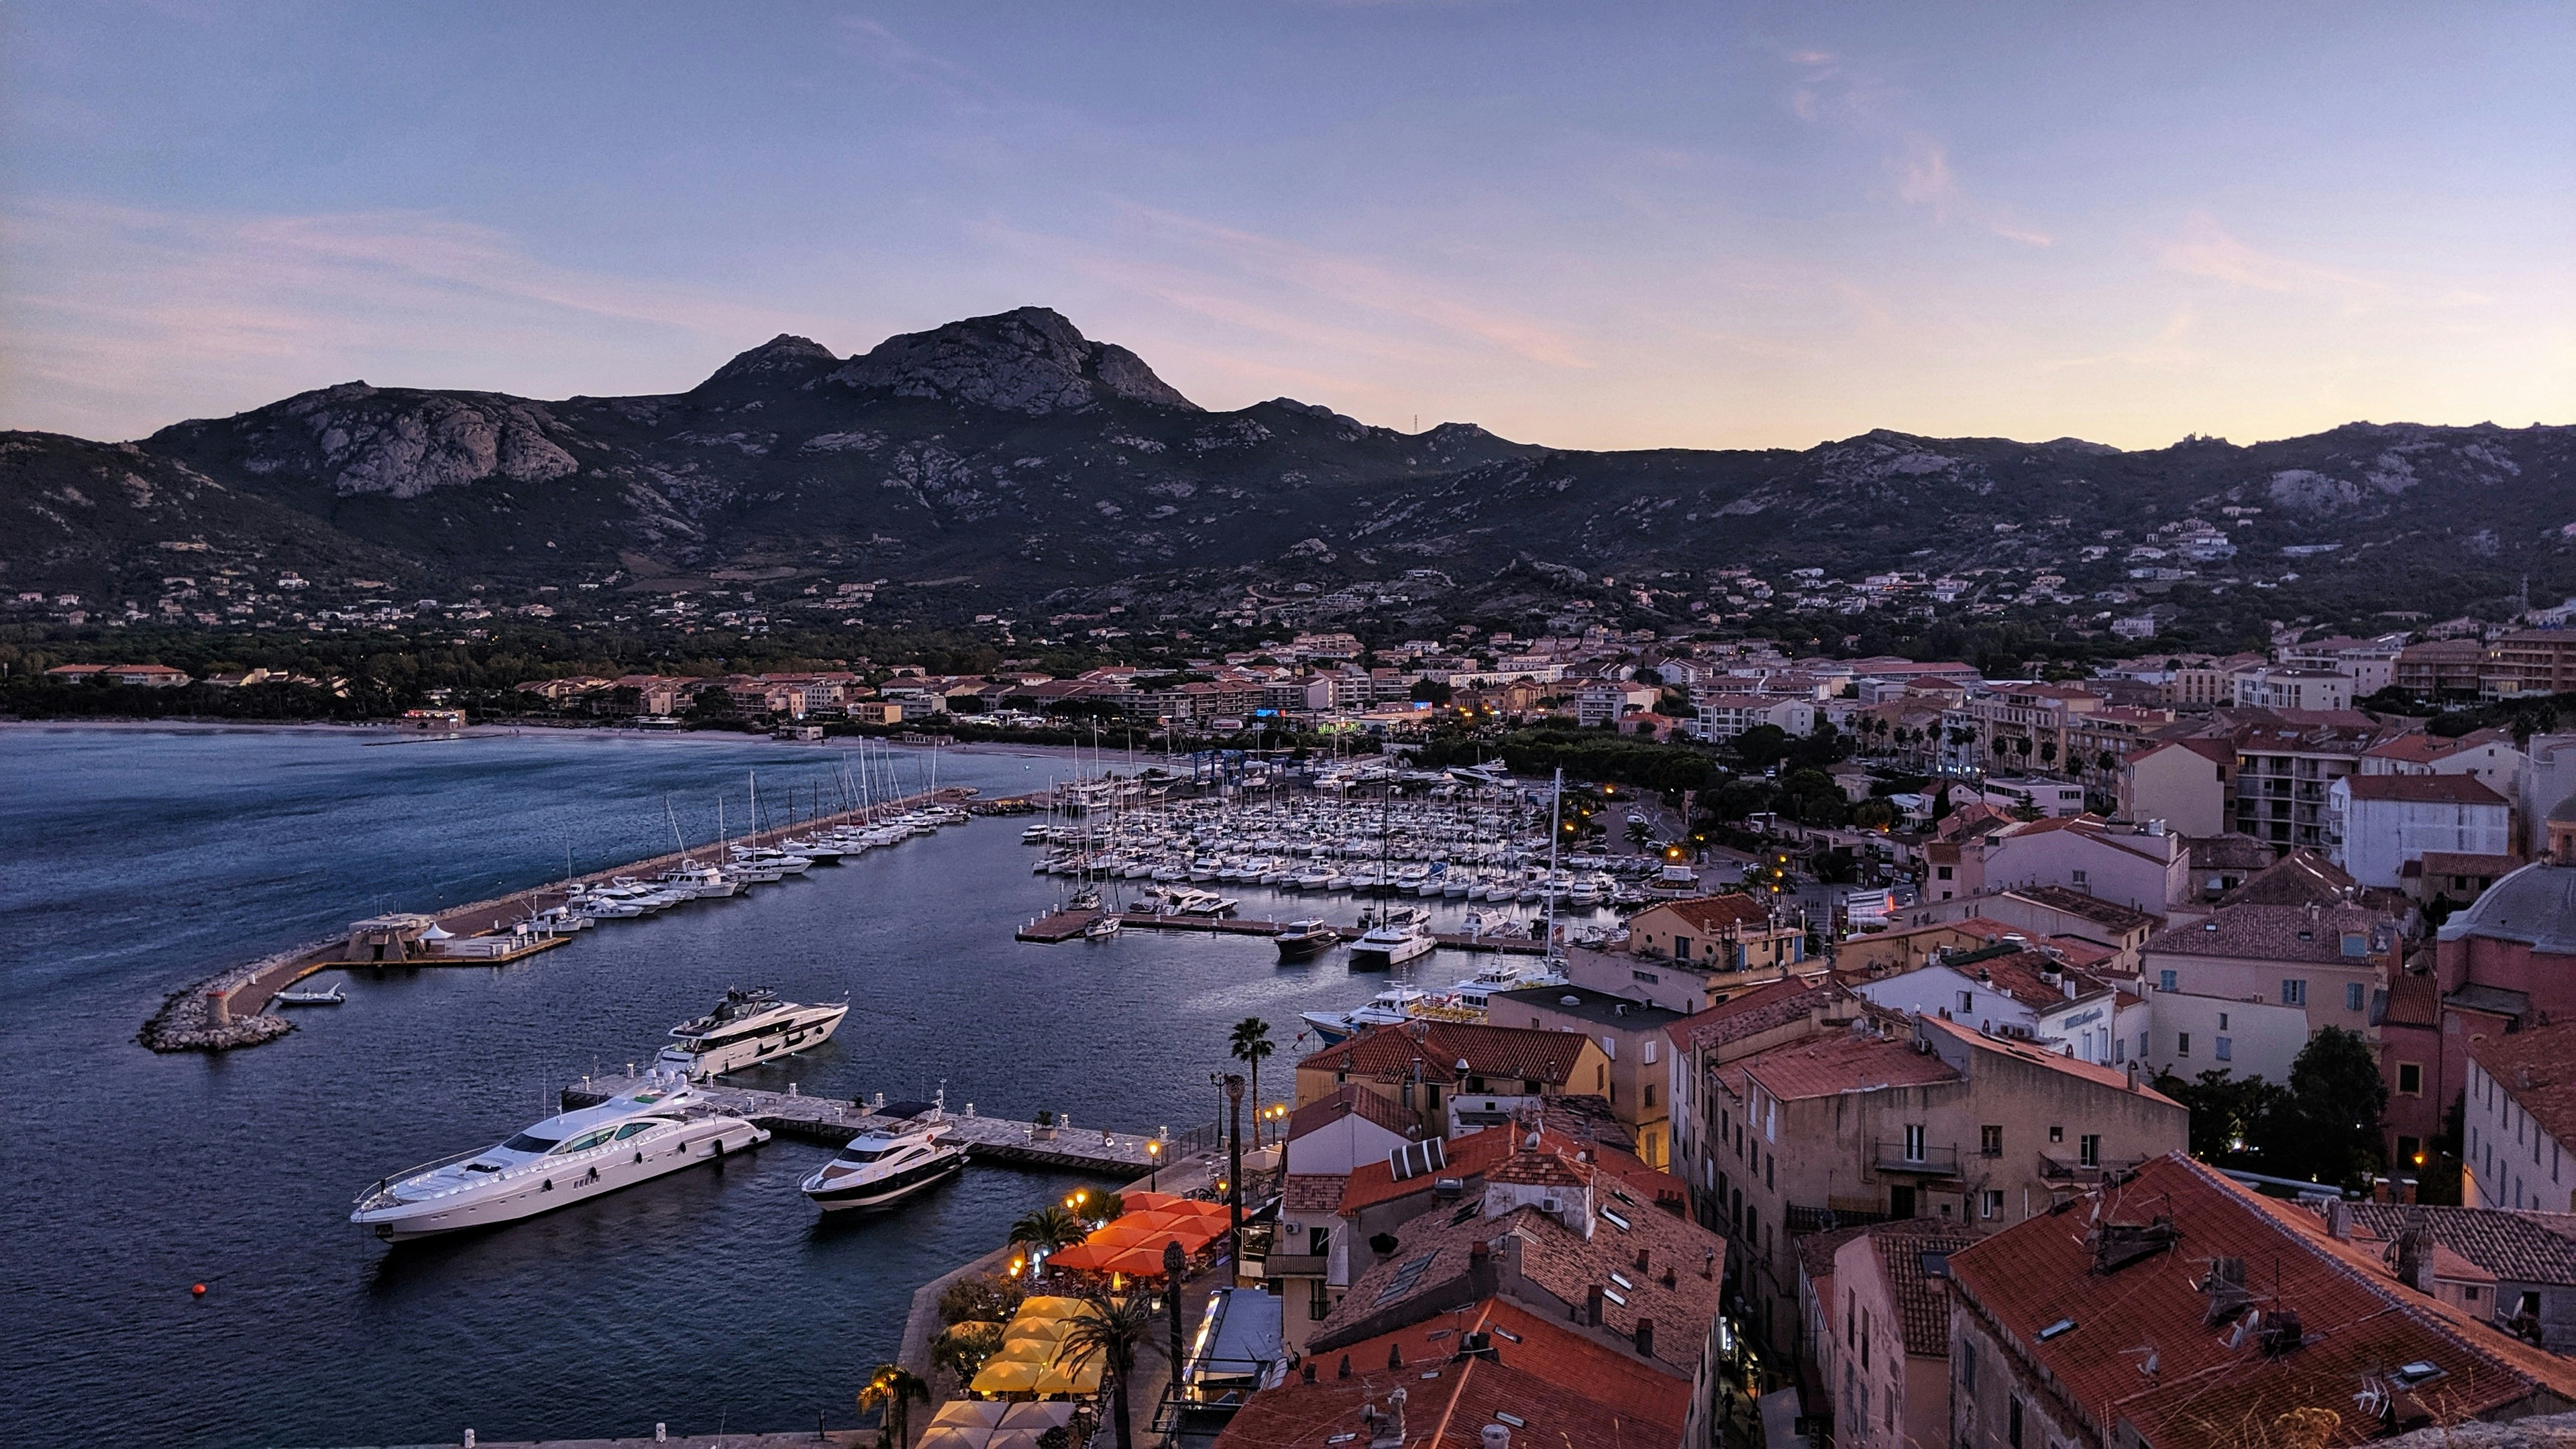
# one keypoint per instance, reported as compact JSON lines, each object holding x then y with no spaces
{"x":133,"y":860}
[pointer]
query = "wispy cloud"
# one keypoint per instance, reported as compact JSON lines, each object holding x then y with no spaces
{"x":1924,"y":178}
{"x":2205,"y":249}
{"x":117,"y":316}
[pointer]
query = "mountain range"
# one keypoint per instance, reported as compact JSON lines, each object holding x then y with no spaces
{"x":1011,"y":463}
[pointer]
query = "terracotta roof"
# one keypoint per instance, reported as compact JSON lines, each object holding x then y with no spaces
{"x":1468,"y":1158}
{"x":1561,"y":1386}
{"x":1766,"y":1007}
{"x":2229,"y":851}
{"x":2356,"y":1323}
{"x":1509,"y":1052}
{"x":1816,"y":1256}
{"x":2525,"y":1247}
{"x":1312,"y":1193}
{"x":1432,"y":1251}
{"x":2208,"y":747}
{"x":2295,"y":879}
{"x":1534,"y":1168}
{"x":1346,"y":1100}
{"x":2424,"y":748}
{"x":2017,"y":971}
{"x":1841,"y":1062}
{"x":1732,"y":912}
{"x":2422,"y":789}
{"x":2535,"y":1066}
{"x":2109,"y":915}
{"x":1922,"y":1301}
{"x":2279,"y":933}
{"x":2414,"y":999}
{"x":2094,"y":1072}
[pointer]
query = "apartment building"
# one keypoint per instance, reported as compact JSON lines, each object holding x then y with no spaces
{"x":2379,"y":824}
{"x":2321,"y":966}
{"x":2532,"y":661}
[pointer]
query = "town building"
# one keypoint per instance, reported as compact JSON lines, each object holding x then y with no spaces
{"x":2019,"y":991}
{"x":1631,"y":1033}
{"x":1736,"y":932}
{"x":1766,"y":1016}
{"x":2518,"y":1120}
{"x":2179,"y":1310}
{"x":1883,"y":1353}
{"x":2516,"y":1270}
{"x":1424,"y":1068}
{"x":2288,"y":687}
{"x":2182,"y":782}
{"x":2321,"y":966}
{"x":1722,"y":715}
{"x":2377,"y":824}
{"x":1891,"y":1118}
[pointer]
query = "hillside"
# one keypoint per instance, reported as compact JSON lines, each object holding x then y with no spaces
{"x":1009,"y":463}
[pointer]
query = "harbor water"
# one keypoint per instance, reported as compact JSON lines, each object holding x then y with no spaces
{"x":133,"y":861}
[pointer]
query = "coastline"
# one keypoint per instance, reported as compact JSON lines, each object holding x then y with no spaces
{"x":395,"y":731}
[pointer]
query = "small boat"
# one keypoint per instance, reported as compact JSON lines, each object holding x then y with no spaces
{"x":330,"y":997}
{"x":1101,"y":929}
{"x":1305,"y":940}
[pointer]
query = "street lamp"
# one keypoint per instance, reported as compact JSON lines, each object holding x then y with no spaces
{"x":1154,"y":1172}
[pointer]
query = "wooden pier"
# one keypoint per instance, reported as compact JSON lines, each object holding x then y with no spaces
{"x":833,"y":1121}
{"x":231,"y":1008}
{"x":1067,"y":925}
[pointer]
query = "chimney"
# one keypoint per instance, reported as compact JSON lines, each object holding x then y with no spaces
{"x":2133,"y":1076}
{"x":1395,"y":1355}
{"x":1592,"y":1306}
{"x":1495,"y":1436}
{"x":1345,"y":1370}
{"x":1307,"y":1371}
{"x":2339,"y":1220}
{"x":1482,"y":1279}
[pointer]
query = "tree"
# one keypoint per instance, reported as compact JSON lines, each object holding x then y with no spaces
{"x":1873,"y":814}
{"x":963,"y":1349}
{"x":2336,"y":1100}
{"x":1431,"y":691}
{"x":1111,"y":1333}
{"x":1249,"y":1044}
{"x":2233,"y":1119}
{"x":894,"y":1387}
{"x":1048,"y":1229}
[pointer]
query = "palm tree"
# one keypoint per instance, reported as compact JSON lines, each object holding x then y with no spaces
{"x":1249,"y":1044}
{"x":895,"y":1387}
{"x":1048,"y":1229}
{"x":1112,"y":1333}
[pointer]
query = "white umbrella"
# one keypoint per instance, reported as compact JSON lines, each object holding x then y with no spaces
{"x":969,"y":1414}
{"x":1038,"y":1417}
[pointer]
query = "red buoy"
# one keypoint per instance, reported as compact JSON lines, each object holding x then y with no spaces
{"x":199,"y":1290}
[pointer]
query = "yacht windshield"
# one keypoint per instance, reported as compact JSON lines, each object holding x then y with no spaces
{"x":864,"y":1154}
{"x":531,"y":1142}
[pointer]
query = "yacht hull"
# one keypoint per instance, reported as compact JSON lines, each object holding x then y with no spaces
{"x":533,"y":1194}
{"x":806,"y":1030}
{"x":887,"y":1191}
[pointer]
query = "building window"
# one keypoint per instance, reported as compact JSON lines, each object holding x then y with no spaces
{"x":2410,"y":1078}
{"x":2079,"y":879}
{"x":2294,"y":992}
{"x":2352,"y":996}
{"x":1942,"y":872}
{"x":1990,"y":1203}
{"x":1650,"y":1095}
{"x":1967,"y":1002}
{"x":1914,"y":1145}
{"x":2056,"y":1134}
{"x":2012,"y":1424}
{"x":2182,"y":1043}
{"x":1990,"y":1140}
{"x":1317,"y":1304}
{"x":1647,"y":1053}
{"x":2226,"y":1048}
{"x":2088,"y":1149}
{"x":2222,"y":1021}
{"x":2165,"y":980}
{"x":2408,"y":1148}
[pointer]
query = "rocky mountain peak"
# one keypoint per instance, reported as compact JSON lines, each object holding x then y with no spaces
{"x":1031,"y":360}
{"x":785,"y":356}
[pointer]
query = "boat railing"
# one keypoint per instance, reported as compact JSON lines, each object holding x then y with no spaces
{"x":380,"y":1193}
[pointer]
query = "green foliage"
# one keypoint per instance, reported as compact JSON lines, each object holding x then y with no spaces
{"x":1111,"y":1334}
{"x":963,"y":1350}
{"x":983,"y":1297}
{"x":2324,"y":1125}
{"x":1048,"y":1229}
{"x":1583,"y":754}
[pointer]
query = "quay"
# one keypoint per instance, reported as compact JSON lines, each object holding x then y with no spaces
{"x":231,"y":1008}
{"x":1068,"y":925}
{"x":832,"y":1121}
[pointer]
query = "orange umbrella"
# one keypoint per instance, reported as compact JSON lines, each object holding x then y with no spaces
{"x":1085,"y":1257}
{"x":1203,"y":1209}
{"x":1155,"y":1219}
{"x":1147,"y":1201}
{"x":1145,"y":1260}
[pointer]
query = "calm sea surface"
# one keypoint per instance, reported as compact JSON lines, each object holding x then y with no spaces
{"x":135,"y":861}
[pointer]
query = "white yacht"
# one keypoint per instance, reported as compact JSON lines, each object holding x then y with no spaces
{"x":698,"y":882}
{"x":884,"y":1164}
{"x":1394,"y":1004}
{"x":748,"y":1027}
{"x":1398,"y":937}
{"x":659,"y":1126}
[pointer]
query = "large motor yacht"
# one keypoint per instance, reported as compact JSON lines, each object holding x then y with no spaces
{"x":1398,"y":937}
{"x":1395,"y":1004}
{"x":1305,"y":940}
{"x":747,"y":1027}
{"x":885,"y":1164}
{"x":657,"y":1127}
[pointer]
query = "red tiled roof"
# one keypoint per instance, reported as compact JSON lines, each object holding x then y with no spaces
{"x":1345,"y":1100}
{"x":1562,"y":1387}
{"x":2414,"y":999}
{"x":2093,"y":1072}
{"x":1841,"y":1062}
{"x":1538,"y":1169}
{"x":2422,"y":789}
{"x":1922,"y":1301}
{"x":2357,"y":1323}
{"x":1733,"y":912}
{"x":1469,"y":1157}
{"x":2452,"y":862}
{"x":2535,"y":1066}
{"x":1508,"y":1052}
{"x":1772,"y":1004}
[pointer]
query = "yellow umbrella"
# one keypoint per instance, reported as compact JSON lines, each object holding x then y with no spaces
{"x":1082,"y":1378}
{"x":1023,"y":1350}
{"x":1049,"y":1329}
{"x":1015,"y":1376}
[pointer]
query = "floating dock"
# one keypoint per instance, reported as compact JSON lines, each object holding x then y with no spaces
{"x":230,"y":1009}
{"x":833,"y":1121}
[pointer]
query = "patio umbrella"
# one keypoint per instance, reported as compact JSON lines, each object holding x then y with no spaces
{"x":1145,"y":1260}
{"x":1017,"y":1376}
{"x":970,"y":1414}
{"x":1082,"y":1378}
{"x":1013,"y":1439}
{"x":1082,"y":1257}
{"x":1154,"y":1220}
{"x":970,"y":1325}
{"x":1049,"y":1329}
{"x":950,"y":1436}
{"x":1053,"y":1306}
{"x":1205,"y":1209}
{"x":1036,"y":1416}
{"x":1024,"y":1350}
{"x":1147,"y":1201}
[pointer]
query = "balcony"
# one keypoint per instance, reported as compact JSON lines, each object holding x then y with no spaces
{"x":1931,"y":1161}
{"x":1289,"y":1265}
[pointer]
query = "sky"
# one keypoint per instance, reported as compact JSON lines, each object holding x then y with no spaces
{"x":1586,"y":225}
